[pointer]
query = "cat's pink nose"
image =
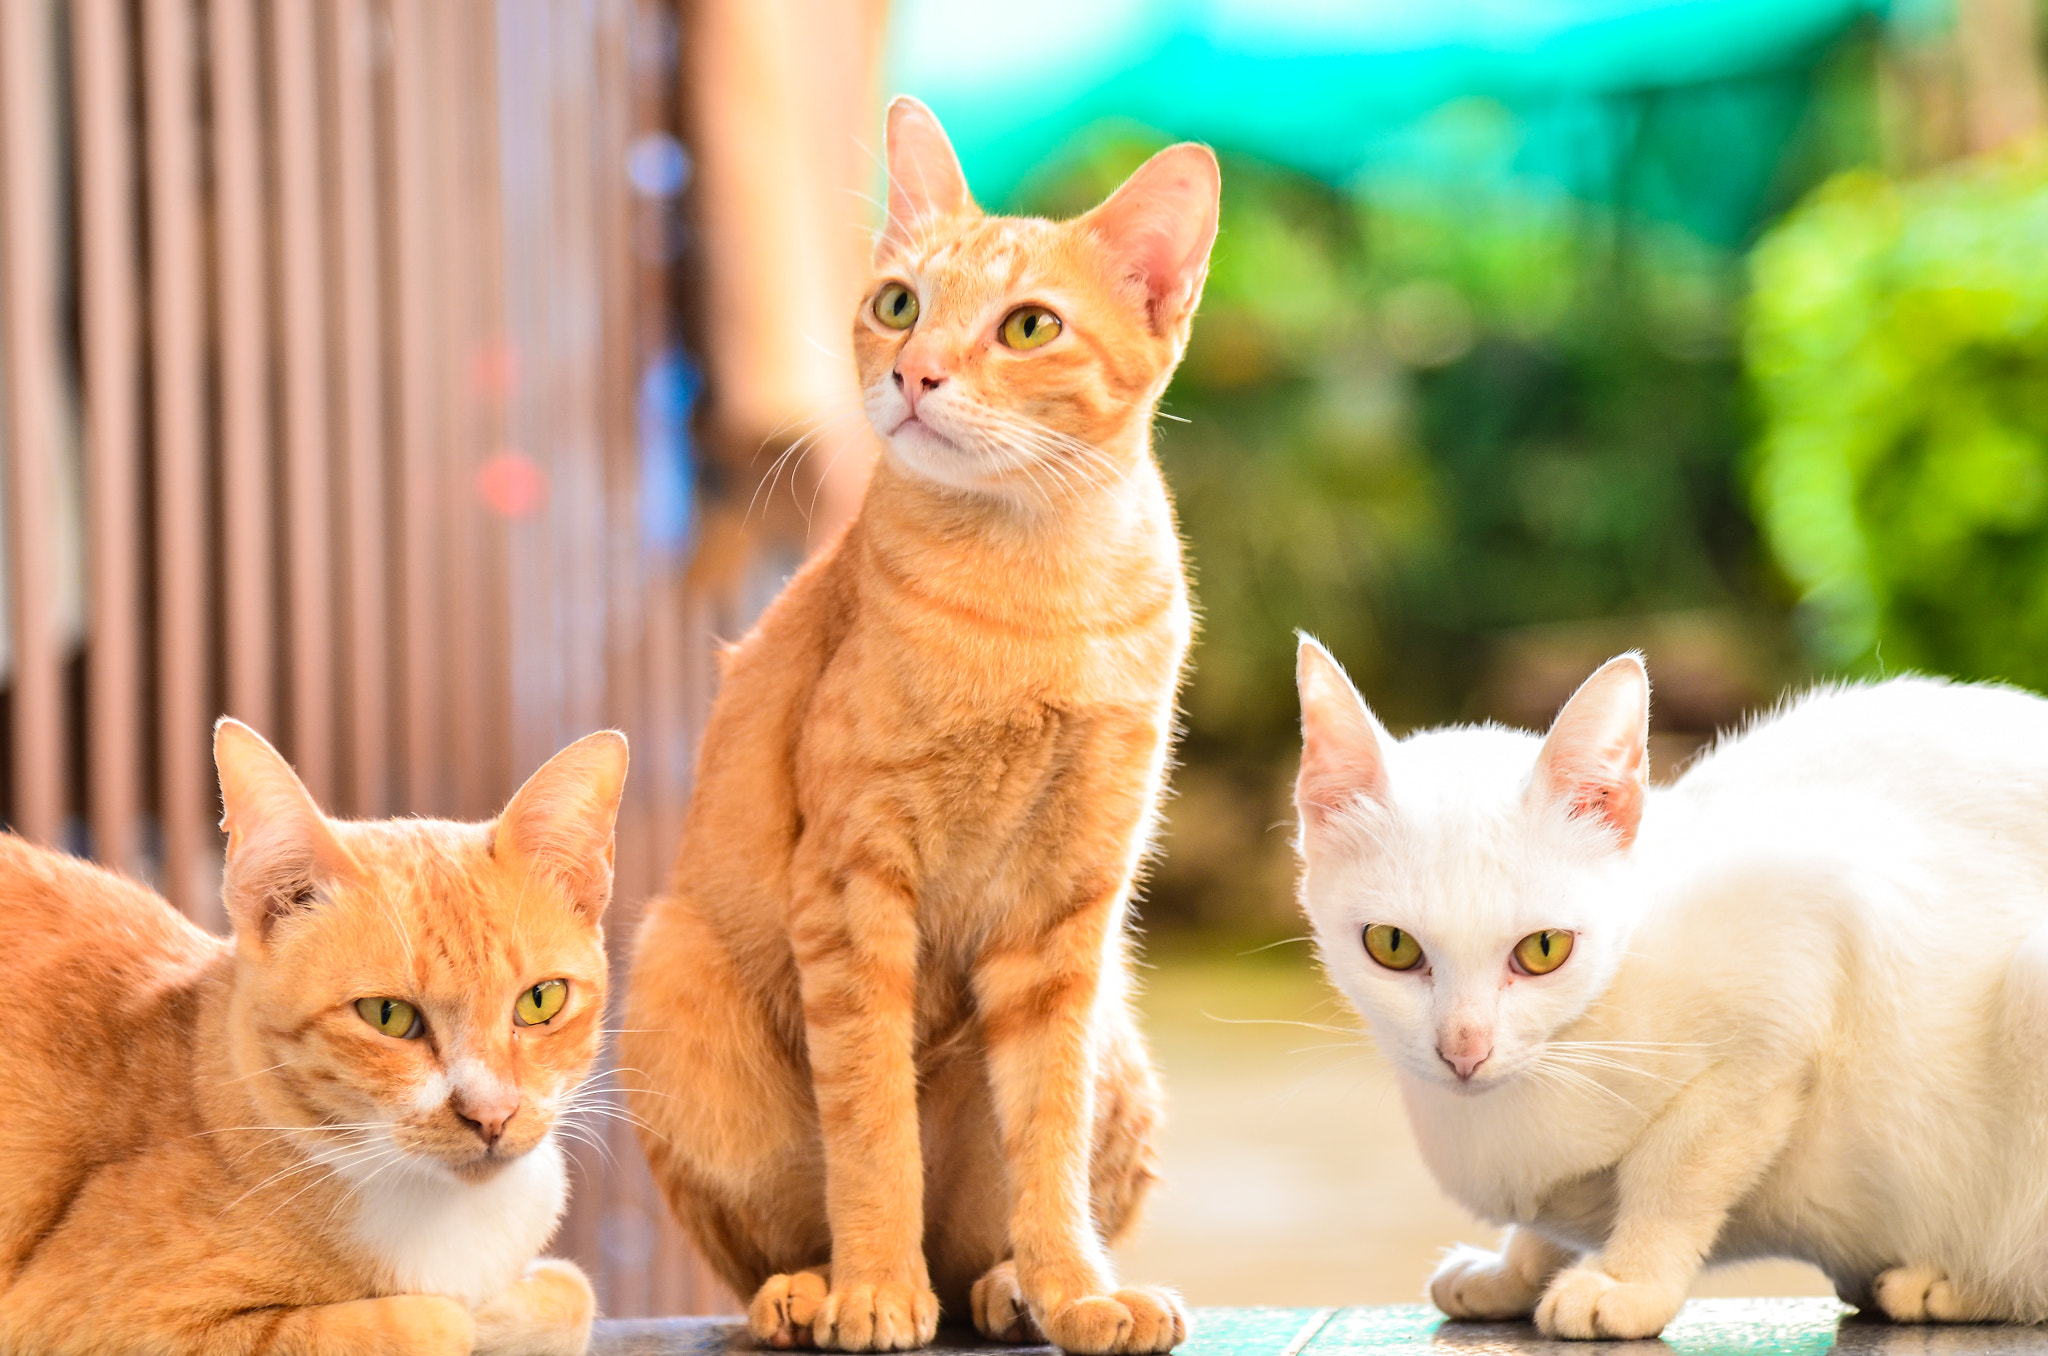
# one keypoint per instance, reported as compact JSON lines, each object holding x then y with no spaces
{"x":487,"y":1113}
{"x":917,"y":376}
{"x":1465,"y":1055}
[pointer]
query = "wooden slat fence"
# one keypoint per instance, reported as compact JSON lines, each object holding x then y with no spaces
{"x":341,"y":347}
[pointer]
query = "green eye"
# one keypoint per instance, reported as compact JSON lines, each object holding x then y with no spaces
{"x":392,"y":1016}
{"x":896,"y":307}
{"x":1541,"y":952}
{"x":540,"y":1003}
{"x":1030,"y":326}
{"x":1391,"y":947}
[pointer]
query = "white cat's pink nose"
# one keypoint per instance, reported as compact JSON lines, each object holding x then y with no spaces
{"x":1466,"y":1053}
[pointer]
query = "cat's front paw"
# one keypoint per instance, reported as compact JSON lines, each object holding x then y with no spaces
{"x":1001,"y":1313}
{"x":889,"y":1316}
{"x":1582,"y":1303}
{"x":784,"y":1308}
{"x":1140,"y":1319}
{"x":1471,"y":1283}
{"x":1922,"y":1295}
{"x":548,"y":1313}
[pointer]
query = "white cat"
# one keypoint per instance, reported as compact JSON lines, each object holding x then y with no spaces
{"x":1795,"y":1005}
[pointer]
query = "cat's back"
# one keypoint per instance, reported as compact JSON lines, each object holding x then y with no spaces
{"x":102,"y":977}
{"x":1941,"y":745}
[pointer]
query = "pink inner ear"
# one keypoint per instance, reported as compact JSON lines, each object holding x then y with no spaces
{"x":925,"y":182}
{"x":1595,"y":758}
{"x":1162,"y":223}
{"x":1341,"y":755}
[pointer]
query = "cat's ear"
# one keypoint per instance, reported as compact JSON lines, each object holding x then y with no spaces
{"x":1343,"y":745}
{"x":925,"y":182}
{"x":1596,"y":758}
{"x":281,"y":849}
{"x":561,"y":822}
{"x":1161,"y":225}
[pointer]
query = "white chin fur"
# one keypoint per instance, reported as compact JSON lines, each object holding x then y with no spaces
{"x":429,"y":1233}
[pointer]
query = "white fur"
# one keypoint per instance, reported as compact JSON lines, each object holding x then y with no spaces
{"x":1822,"y":974}
{"x":432,"y":1233}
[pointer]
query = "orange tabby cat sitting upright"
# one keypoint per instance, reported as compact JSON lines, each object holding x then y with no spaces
{"x":883,"y":1011}
{"x":334,"y":1135}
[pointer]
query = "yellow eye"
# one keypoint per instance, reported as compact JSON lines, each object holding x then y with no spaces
{"x":1541,"y":952}
{"x":1393,"y":948}
{"x":1030,"y":326}
{"x":540,"y":1003}
{"x":392,"y":1016}
{"x":896,"y":307}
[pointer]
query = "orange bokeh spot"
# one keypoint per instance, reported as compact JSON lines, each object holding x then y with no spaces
{"x":513,"y":484}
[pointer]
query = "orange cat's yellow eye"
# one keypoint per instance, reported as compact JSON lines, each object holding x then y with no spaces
{"x":392,"y":1016}
{"x":896,"y":307}
{"x":1391,"y":947}
{"x":1030,"y":327}
{"x":540,"y":1003}
{"x":1541,"y":952}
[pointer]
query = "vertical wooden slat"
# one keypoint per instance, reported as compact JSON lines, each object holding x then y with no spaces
{"x":177,"y":320}
{"x":249,"y":565}
{"x":458,"y":32}
{"x":358,"y":280}
{"x":28,"y":276}
{"x":303,"y":321}
{"x":109,"y":315}
{"x":421,"y":387}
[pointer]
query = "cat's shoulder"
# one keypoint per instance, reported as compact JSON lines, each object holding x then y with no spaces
{"x":53,"y":903}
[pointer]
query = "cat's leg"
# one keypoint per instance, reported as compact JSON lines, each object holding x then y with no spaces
{"x":1038,"y":995}
{"x":853,"y":929}
{"x":1472,"y":1283}
{"x":396,"y":1325}
{"x":1674,"y":1188}
{"x":1927,"y":1295}
{"x":547,"y":1313}
{"x":725,"y":1115}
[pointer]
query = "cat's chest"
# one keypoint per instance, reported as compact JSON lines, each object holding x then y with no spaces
{"x":1522,"y":1154}
{"x":428,"y":1234}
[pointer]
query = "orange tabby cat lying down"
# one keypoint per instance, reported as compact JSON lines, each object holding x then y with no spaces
{"x":333,"y":1134}
{"x":883,"y":1010}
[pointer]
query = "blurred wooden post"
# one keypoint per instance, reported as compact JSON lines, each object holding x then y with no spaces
{"x":109,"y":320}
{"x":28,"y":327}
{"x":784,"y":101}
{"x":177,"y":334}
{"x":302,"y":315}
{"x":241,"y":282}
{"x":361,"y":442}
{"x":1998,"y":42}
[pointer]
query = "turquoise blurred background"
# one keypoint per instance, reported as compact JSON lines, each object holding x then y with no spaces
{"x":1541,"y":329}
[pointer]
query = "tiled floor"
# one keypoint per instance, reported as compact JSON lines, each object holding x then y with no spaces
{"x":1713,"y":1327}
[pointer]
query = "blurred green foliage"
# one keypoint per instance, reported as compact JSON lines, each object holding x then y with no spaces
{"x":1898,"y":342}
{"x":1428,"y":419}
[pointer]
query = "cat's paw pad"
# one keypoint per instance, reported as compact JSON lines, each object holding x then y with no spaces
{"x":1000,"y":1311}
{"x":1471,"y":1283}
{"x":890,"y":1316}
{"x":547,"y":1313}
{"x":1921,"y":1295}
{"x":1584,"y":1303}
{"x":1135,"y":1320}
{"x":784,"y":1308}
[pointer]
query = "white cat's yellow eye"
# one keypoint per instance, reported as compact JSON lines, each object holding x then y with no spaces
{"x":1030,"y":327}
{"x":896,"y":307}
{"x":540,"y":1003}
{"x":1391,"y":947}
{"x":392,"y":1016}
{"x":1541,"y":952}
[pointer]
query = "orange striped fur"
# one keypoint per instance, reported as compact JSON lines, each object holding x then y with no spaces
{"x":882,"y":1015}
